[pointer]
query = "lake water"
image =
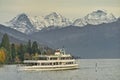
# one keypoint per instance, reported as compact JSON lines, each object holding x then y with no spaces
{"x":90,"y":69}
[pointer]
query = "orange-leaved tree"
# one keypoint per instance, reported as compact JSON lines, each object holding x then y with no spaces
{"x":2,"y":55}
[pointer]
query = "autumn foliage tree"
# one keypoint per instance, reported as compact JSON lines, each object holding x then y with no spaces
{"x":2,"y":55}
{"x":5,"y":43}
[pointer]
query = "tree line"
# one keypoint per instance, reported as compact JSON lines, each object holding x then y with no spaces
{"x":16,"y":53}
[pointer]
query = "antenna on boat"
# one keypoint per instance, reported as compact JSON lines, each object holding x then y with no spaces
{"x":42,"y":51}
{"x":63,"y":50}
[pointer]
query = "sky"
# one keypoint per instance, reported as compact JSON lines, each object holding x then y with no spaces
{"x":69,"y":8}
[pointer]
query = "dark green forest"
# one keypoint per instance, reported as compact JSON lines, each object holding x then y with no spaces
{"x":11,"y":53}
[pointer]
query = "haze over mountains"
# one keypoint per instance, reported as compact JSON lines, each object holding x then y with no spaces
{"x":94,"y":36}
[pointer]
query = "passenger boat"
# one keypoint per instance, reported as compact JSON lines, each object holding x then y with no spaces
{"x":59,"y":61}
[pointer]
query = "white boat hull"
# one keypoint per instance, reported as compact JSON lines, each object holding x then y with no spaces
{"x":49,"y":68}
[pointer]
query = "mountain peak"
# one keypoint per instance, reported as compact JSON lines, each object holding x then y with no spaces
{"x":22,"y":23}
{"x":100,"y":11}
{"x":22,"y":14}
{"x":96,"y":18}
{"x":20,"y":17}
{"x":97,"y":14}
{"x":53,"y":15}
{"x":57,"y":20}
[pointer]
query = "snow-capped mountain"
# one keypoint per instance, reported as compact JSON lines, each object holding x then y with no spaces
{"x":22,"y":23}
{"x":39,"y":22}
{"x":95,"y":18}
{"x":53,"y":19}
{"x":27,"y":24}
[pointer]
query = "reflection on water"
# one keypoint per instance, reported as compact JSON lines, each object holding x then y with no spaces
{"x":106,"y":69}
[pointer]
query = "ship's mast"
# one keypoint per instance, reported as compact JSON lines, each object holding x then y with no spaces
{"x":63,"y":50}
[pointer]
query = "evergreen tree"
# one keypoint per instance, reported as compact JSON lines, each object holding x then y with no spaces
{"x":5,"y":42}
{"x":13,"y":52}
{"x":21,"y":52}
{"x":29,"y":47}
{"x":34,"y":47}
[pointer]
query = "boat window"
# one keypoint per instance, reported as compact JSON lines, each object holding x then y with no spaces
{"x":30,"y":64}
{"x":35,"y":64}
{"x":55,"y":63}
{"x":60,"y":63}
{"x":50,"y":63}
{"x":46,"y":64}
{"x":69,"y":62}
{"x":53,"y":58}
{"x":42,"y":63}
{"x":62,"y":58}
{"x":65,"y":58}
{"x":43,"y":58}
